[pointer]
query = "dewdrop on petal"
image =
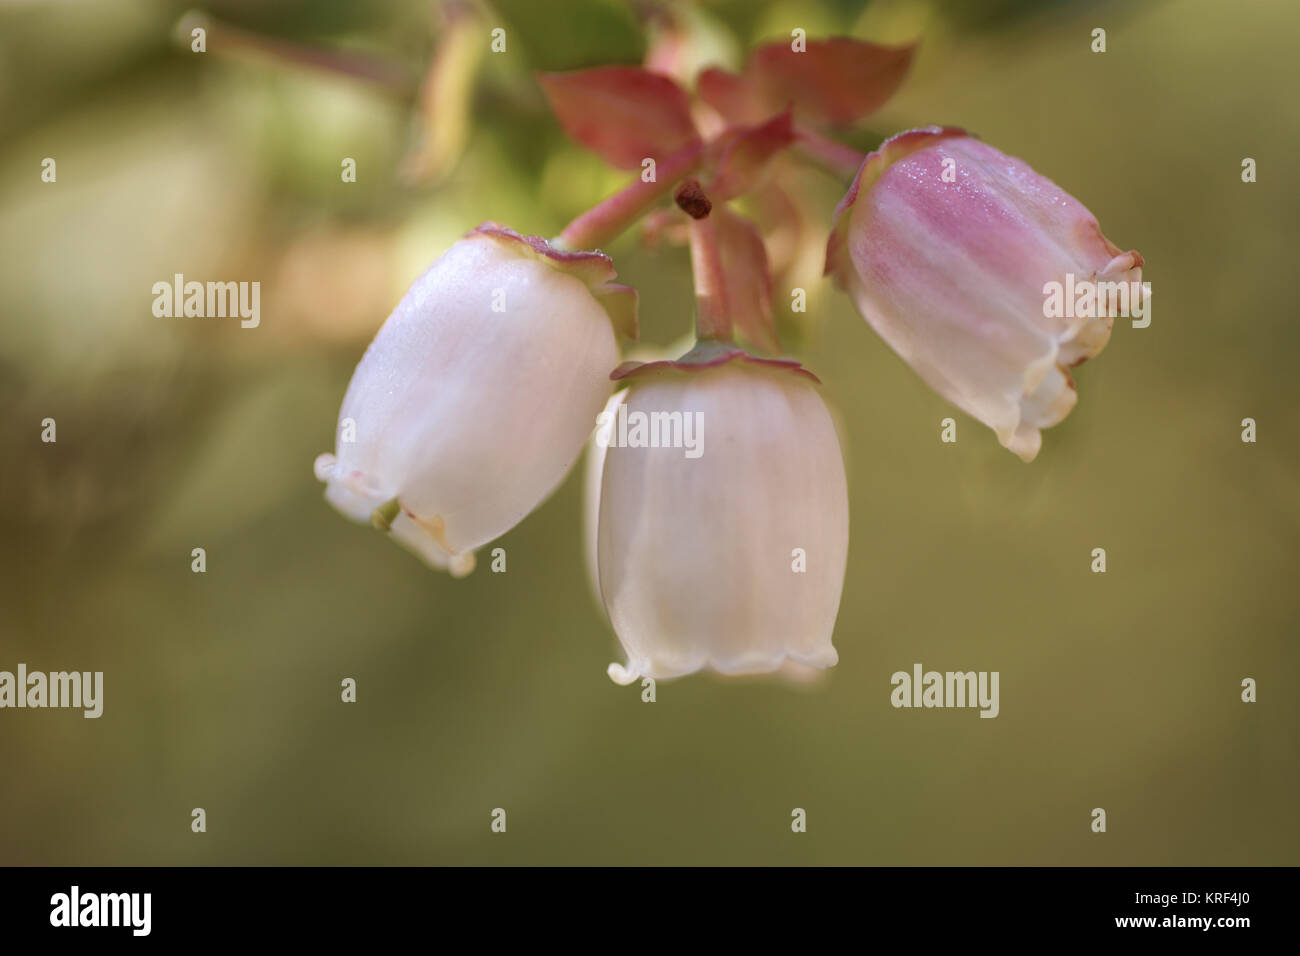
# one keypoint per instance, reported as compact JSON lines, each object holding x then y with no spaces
{"x":947,"y":248}
{"x":697,"y":556}
{"x":477,"y":394}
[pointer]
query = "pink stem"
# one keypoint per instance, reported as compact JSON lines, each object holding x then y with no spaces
{"x":712,"y":316}
{"x":602,"y":222}
{"x":843,"y":161}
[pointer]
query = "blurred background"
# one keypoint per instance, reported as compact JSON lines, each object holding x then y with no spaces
{"x":222,"y":690}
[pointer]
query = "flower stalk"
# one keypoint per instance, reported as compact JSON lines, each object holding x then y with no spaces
{"x":610,"y":217}
{"x":830,"y":154}
{"x":712,"y":313}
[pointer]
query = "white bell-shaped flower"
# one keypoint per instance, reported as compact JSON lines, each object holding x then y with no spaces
{"x":723,"y":519}
{"x":477,"y":394}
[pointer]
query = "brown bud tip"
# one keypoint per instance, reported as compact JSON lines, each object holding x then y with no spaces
{"x":690,"y":197}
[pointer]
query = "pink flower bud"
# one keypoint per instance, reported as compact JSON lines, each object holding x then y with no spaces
{"x":727,"y":550}
{"x":949,"y":248}
{"x":477,"y":394}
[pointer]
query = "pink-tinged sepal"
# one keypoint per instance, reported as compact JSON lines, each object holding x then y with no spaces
{"x":593,"y":268}
{"x":705,"y":355}
{"x":624,"y":113}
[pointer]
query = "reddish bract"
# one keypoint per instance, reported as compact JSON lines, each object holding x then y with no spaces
{"x":624,"y":113}
{"x":837,"y":81}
